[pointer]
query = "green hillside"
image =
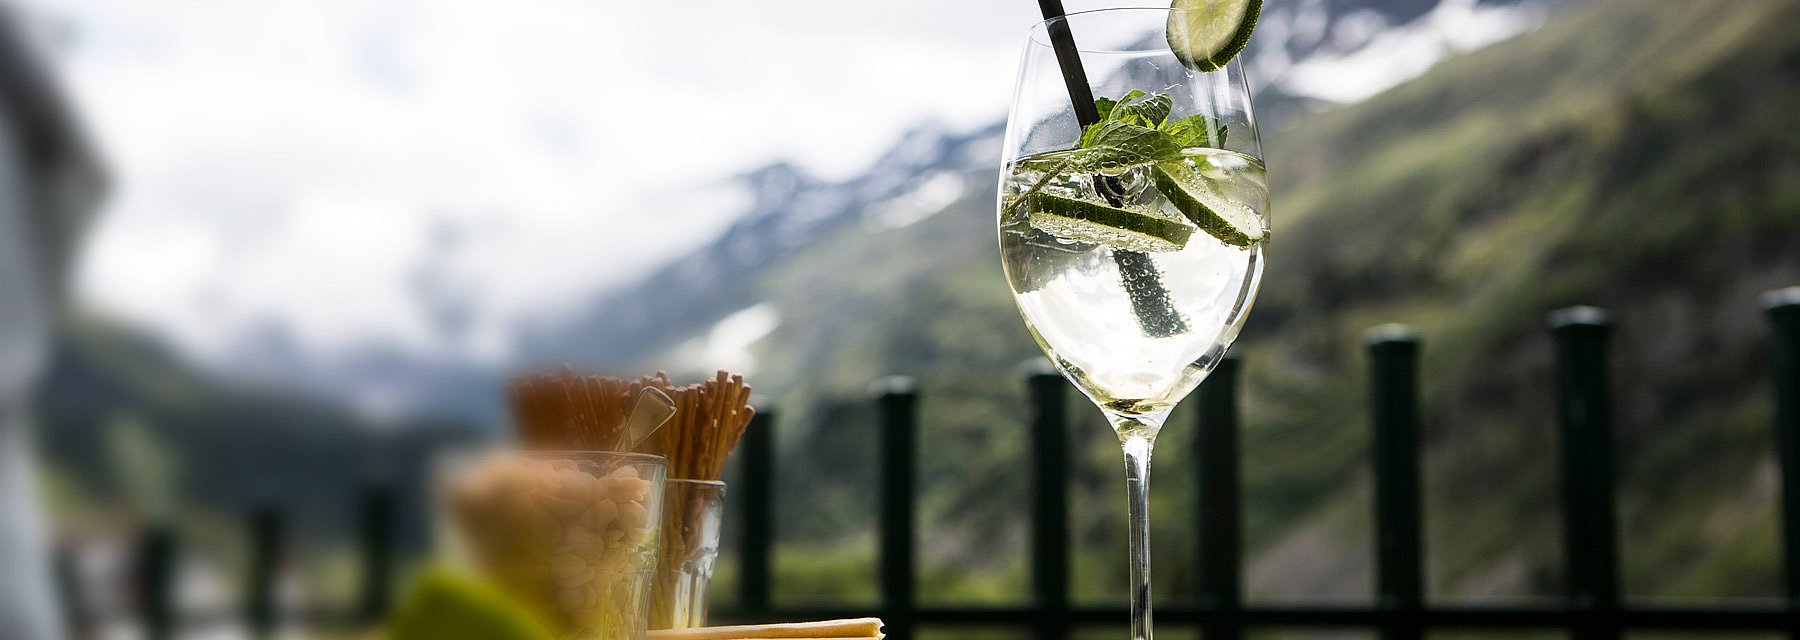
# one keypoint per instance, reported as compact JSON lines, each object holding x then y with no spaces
{"x":1638,"y":156}
{"x":128,"y":429}
{"x":1629,"y":155}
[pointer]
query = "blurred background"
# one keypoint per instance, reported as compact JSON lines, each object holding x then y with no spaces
{"x":321,"y":231}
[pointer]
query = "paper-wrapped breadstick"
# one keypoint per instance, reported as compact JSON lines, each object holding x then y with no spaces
{"x":856,"y":628}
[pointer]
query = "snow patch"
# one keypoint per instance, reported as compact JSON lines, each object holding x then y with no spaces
{"x":926,"y":200}
{"x":727,"y":344}
{"x":1387,"y":57}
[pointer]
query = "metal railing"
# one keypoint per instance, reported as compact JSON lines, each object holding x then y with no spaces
{"x":1593,"y":608}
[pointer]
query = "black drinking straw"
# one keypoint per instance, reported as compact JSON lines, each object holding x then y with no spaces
{"x":1149,"y":298}
{"x":1062,"y":41}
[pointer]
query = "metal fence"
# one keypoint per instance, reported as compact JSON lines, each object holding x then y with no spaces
{"x":1593,"y":608}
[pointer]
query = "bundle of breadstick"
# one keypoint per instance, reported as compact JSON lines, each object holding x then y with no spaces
{"x":851,"y":629}
{"x":570,"y":411}
{"x":710,"y":419}
{"x":581,"y":412}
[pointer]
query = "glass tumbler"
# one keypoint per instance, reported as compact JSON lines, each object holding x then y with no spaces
{"x":570,"y":535}
{"x":692,"y":514}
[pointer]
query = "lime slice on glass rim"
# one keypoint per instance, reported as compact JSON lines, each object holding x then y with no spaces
{"x":1206,"y":34}
{"x":1232,"y":223}
{"x":1085,"y":220}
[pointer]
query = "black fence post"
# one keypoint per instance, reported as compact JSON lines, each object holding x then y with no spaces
{"x":1394,"y":413}
{"x":71,"y":593}
{"x":1218,"y":513}
{"x":1584,"y":419}
{"x":1049,"y":423}
{"x":377,"y":545}
{"x":1783,"y":307}
{"x":897,"y":400}
{"x":153,"y":581}
{"x":756,"y":503}
{"x":265,"y":557}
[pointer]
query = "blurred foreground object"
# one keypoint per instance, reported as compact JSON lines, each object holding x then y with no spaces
{"x":570,"y":536}
{"x":50,"y":185}
{"x":446,"y":606}
{"x":566,"y":410}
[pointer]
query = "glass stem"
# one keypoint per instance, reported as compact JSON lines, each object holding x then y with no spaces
{"x":1137,"y":435}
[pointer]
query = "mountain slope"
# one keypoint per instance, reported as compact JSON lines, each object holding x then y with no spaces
{"x":1581,"y":164}
{"x":228,"y":447}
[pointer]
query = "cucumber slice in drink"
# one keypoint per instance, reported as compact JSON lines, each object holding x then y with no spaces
{"x":1084,"y":220}
{"x":1232,"y":223}
{"x":1206,"y":34}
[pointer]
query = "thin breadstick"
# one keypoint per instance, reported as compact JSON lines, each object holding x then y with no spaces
{"x":562,"y":409}
{"x":850,"y":628}
{"x":659,"y":635}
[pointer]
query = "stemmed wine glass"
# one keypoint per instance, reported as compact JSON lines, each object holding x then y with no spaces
{"x":1132,"y":221}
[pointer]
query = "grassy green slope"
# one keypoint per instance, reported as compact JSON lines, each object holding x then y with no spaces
{"x":1634,"y":155}
{"x":1627,"y":155}
{"x":222,"y":447}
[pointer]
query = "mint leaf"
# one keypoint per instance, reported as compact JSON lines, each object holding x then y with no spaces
{"x":1106,"y":105}
{"x":1197,"y":131}
{"x":1087,"y":135}
{"x":1113,"y":146}
{"x":1149,"y":113}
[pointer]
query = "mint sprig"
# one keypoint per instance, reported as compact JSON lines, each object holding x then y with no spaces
{"x":1128,"y":135}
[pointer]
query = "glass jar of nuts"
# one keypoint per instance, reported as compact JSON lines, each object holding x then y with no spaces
{"x":571,"y":535}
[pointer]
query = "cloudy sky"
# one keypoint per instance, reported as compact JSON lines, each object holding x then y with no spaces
{"x":296,"y":162}
{"x":297,"y":159}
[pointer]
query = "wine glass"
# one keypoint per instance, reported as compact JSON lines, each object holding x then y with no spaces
{"x":1134,"y":246}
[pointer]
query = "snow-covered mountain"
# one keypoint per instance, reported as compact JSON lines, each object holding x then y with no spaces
{"x":1313,"y":53}
{"x":929,"y":167}
{"x":1307,"y":55}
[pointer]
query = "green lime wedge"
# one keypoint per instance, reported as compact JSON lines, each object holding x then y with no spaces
{"x":1206,"y":34}
{"x":1232,"y":223}
{"x":1131,"y":229}
{"x":442,"y":605}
